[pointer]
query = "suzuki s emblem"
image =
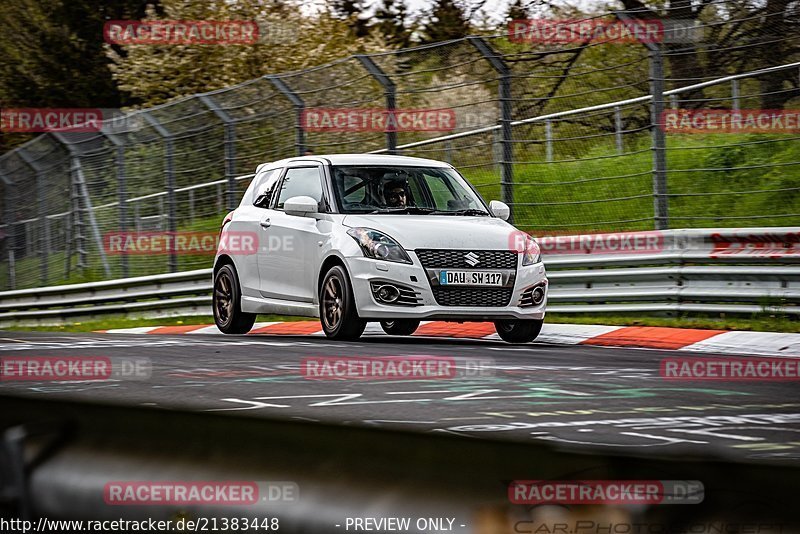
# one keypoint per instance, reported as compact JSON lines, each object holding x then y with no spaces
{"x":472,"y":259}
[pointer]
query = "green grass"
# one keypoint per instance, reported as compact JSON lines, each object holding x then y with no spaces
{"x":594,"y":178}
{"x":108,"y":324}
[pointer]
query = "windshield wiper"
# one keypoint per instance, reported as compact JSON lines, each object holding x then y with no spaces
{"x":405,"y":209}
{"x":468,"y":211}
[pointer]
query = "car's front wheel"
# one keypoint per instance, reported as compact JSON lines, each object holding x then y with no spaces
{"x":519,"y":330}
{"x":337,"y":307}
{"x":400,"y":327}
{"x":227,"y":303}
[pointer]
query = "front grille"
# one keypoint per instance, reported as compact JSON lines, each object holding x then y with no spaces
{"x":472,"y":296}
{"x":455,"y":259}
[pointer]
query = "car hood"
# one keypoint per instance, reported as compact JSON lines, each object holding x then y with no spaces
{"x":440,"y":231}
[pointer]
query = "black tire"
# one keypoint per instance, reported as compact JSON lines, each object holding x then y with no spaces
{"x":337,"y":307}
{"x":519,"y":330}
{"x":227,"y":303}
{"x":400,"y":327}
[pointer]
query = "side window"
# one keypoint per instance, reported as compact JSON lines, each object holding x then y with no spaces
{"x":265,"y":188}
{"x":301,"y":181}
{"x":358,"y":194}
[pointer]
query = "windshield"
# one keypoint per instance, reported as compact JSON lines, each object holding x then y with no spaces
{"x":402,"y":189}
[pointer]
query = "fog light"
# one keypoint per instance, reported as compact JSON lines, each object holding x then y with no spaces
{"x":537,"y":295}
{"x":387,"y":293}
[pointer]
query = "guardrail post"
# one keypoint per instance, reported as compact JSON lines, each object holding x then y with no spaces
{"x":299,"y":107}
{"x":506,"y":116}
{"x":169,"y":162}
{"x":122,"y":190}
{"x":230,"y":146}
{"x":83,"y":192}
{"x":660,"y":205}
{"x":390,"y":92}
{"x":44,"y":224}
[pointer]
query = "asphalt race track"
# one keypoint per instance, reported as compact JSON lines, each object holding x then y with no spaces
{"x":592,"y":398}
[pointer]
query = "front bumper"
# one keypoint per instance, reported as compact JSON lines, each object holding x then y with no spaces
{"x":363,"y":271}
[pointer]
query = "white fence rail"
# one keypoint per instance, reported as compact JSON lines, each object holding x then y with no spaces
{"x":736,"y":271}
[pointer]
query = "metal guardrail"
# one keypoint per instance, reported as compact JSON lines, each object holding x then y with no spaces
{"x":738,"y":271}
{"x":346,"y":470}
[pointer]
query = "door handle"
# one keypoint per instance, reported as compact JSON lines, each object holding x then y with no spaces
{"x":266,"y":223}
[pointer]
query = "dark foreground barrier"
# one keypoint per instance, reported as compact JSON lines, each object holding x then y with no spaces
{"x":67,"y":460}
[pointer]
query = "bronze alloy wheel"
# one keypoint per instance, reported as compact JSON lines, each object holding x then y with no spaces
{"x":332,"y":303}
{"x":337,"y":306}
{"x":226,"y":303}
{"x":223,"y":297}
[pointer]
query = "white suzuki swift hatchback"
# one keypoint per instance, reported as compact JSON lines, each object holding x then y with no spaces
{"x":358,"y":238}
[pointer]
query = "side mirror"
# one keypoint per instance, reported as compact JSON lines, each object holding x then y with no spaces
{"x":300,"y":206}
{"x":500,"y":209}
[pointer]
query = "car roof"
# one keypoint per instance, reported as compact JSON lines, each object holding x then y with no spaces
{"x":357,"y":159}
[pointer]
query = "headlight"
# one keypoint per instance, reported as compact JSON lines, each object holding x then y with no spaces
{"x":532,"y":253}
{"x":379,"y":246}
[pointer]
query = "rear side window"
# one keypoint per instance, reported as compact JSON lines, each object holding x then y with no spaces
{"x":302,"y":181}
{"x":265,"y":188}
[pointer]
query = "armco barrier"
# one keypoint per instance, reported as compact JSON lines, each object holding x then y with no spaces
{"x":58,"y":457}
{"x":741,"y":270}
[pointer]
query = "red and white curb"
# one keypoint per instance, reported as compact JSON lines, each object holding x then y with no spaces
{"x":688,"y":339}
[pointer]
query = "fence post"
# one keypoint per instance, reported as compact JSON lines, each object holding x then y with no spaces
{"x":660,"y":205}
{"x":735,"y":95}
{"x":660,"y":199}
{"x":390,"y":92}
{"x":299,"y":107}
{"x":169,"y":162}
{"x":8,"y":219}
{"x":506,"y":117}
{"x":191,"y":205}
{"x":618,"y":129}
{"x":230,"y":146}
{"x":83,"y":192}
{"x":548,"y":136}
{"x":44,"y":224}
{"x":122,"y":191}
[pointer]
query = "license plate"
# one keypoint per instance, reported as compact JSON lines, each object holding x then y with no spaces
{"x":470,"y":278}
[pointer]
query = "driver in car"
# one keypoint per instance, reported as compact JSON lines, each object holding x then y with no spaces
{"x":394,"y":191}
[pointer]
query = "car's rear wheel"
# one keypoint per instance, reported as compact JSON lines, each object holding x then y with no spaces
{"x":519,"y":330}
{"x":337,"y":307}
{"x":400,"y":327}
{"x":227,"y":303}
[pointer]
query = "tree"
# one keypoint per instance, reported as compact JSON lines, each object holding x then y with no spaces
{"x":447,"y":20}
{"x":747,"y":35}
{"x":51,"y":54}
{"x":352,"y":11}
{"x":517,"y":10}
{"x":392,"y":23}
{"x":156,"y":74}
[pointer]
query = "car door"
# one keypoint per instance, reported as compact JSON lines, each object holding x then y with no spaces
{"x":246,"y":222}
{"x":290,"y":245}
